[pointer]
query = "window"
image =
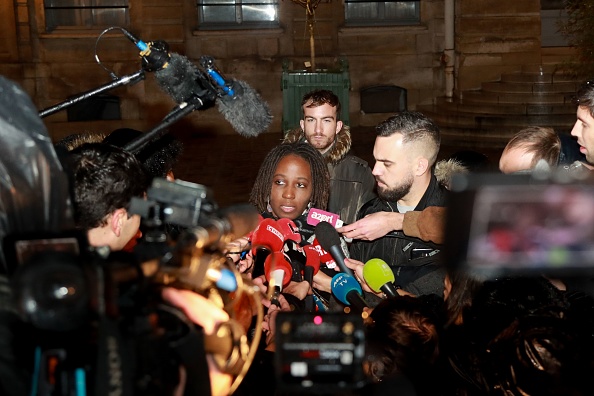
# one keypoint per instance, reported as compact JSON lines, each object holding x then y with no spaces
{"x":381,"y":13}
{"x":85,"y":13}
{"x":237,"y":14}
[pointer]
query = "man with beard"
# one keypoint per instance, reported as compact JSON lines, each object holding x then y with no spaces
{"x":351,"y":181}
{"x":405,"y":151}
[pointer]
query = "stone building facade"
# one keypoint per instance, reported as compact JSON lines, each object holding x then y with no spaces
{"x":491,"y":37}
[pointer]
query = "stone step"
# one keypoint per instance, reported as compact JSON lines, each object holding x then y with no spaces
{"x":477,"y":97}
{"x":566,"y":87}
{"x":537,"y":77}
{"x":479,"y":121}
{"x":448,"y":106}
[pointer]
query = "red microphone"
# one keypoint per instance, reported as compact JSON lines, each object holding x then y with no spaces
{"x":278,"y":273}
{"x":289,"y":229}
{"x":325,"y":257}
{"x":312,"y":258}
{"x":267,"y":236}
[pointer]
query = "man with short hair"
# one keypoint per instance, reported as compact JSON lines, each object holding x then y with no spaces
{"x":105,"y":179}
{"x":535,"y":144}
{"x":583,"y":128}
{"x":405,"y":151}
{"x":351,"y":181}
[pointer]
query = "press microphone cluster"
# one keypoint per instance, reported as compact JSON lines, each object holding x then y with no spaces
{"x":239,"y":104}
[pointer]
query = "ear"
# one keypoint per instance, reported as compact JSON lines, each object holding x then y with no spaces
{"x":338,"y":126}
{"x":118,"y":217}
{"x":421,"y":166}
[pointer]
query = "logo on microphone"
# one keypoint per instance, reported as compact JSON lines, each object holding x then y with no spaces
{"x":317,"y":215}
{"x":275,"y":232}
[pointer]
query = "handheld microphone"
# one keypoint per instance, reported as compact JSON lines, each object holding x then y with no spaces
{"x":325,"y":257}
{"x":278,"y":273}
{"x":315,"y":216}
{"x":330,"y":241}
{"x":348,"y":291}
{"x":267,"y":236}
{"x":289,"y":229}
{"x":379,"y":277}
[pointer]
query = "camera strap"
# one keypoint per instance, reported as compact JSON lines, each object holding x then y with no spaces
{"x":114,"y":373}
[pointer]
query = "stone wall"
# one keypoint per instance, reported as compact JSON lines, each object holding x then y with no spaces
{"x":491,"y":37}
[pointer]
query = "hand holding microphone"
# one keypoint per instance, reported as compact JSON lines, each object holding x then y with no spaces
{"x":278,"y":273}
{"x":379,"y":276}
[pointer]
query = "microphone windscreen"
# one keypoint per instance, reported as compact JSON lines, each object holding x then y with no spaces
{"x":246,"y":111}
{"x":178,"y":78}
{"x":327,"y":235}
{"x":267,"y":236}
{"x":289,"y":229}
{"x":342,"y":284}
{"x":277,"y":261}
{"x":377,"y":273}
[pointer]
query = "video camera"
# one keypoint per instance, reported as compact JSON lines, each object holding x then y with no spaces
{"x":96,"y":318}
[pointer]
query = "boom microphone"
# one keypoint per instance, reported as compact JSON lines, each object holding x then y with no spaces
{"x":379,"y":277}
{"x":330,"y":241}
{"x":348,"y":291}
{"x":239,"y":103}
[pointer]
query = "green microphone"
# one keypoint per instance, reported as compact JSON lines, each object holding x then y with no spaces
{"x":379,"y":277}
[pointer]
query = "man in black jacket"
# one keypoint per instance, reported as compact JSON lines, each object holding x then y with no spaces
{"x":405,"y":151}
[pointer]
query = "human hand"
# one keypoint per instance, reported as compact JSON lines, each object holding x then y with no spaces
{"x":322,"y":282}
{"x":207,"y":315}
{"x":298,"y":289}
{"x":240,"y":255}
{"x":373,"y":226}
{"x":269,"y":322}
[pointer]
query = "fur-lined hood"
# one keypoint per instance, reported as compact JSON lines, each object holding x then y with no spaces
{"x":341,"y":146}
{"x":445,"y":169}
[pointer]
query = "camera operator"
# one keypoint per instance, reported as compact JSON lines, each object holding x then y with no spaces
{"x":105,"y":178}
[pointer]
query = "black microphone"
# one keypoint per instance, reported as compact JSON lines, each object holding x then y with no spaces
{"x":329,"y":239}
{"x":239,"y":103}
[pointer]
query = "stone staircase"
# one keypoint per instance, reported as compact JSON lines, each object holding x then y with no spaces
{"x":488,"y":117}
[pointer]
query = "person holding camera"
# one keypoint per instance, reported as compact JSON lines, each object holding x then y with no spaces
{"x":105,"y":178}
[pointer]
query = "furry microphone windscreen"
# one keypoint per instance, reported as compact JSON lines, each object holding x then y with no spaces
{"x":246,"y":111}
{"x":178,"y":78}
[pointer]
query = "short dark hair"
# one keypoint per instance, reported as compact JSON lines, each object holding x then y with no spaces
{"x":158,"y":156}
{"x":414,"y":127}
{"x":320,"y":97}
{"x":105,"y":178}
{"x":585,"y":96}
{"x":319,"y":174}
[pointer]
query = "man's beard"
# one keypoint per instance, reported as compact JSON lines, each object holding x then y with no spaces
{"x":397,"y":193}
